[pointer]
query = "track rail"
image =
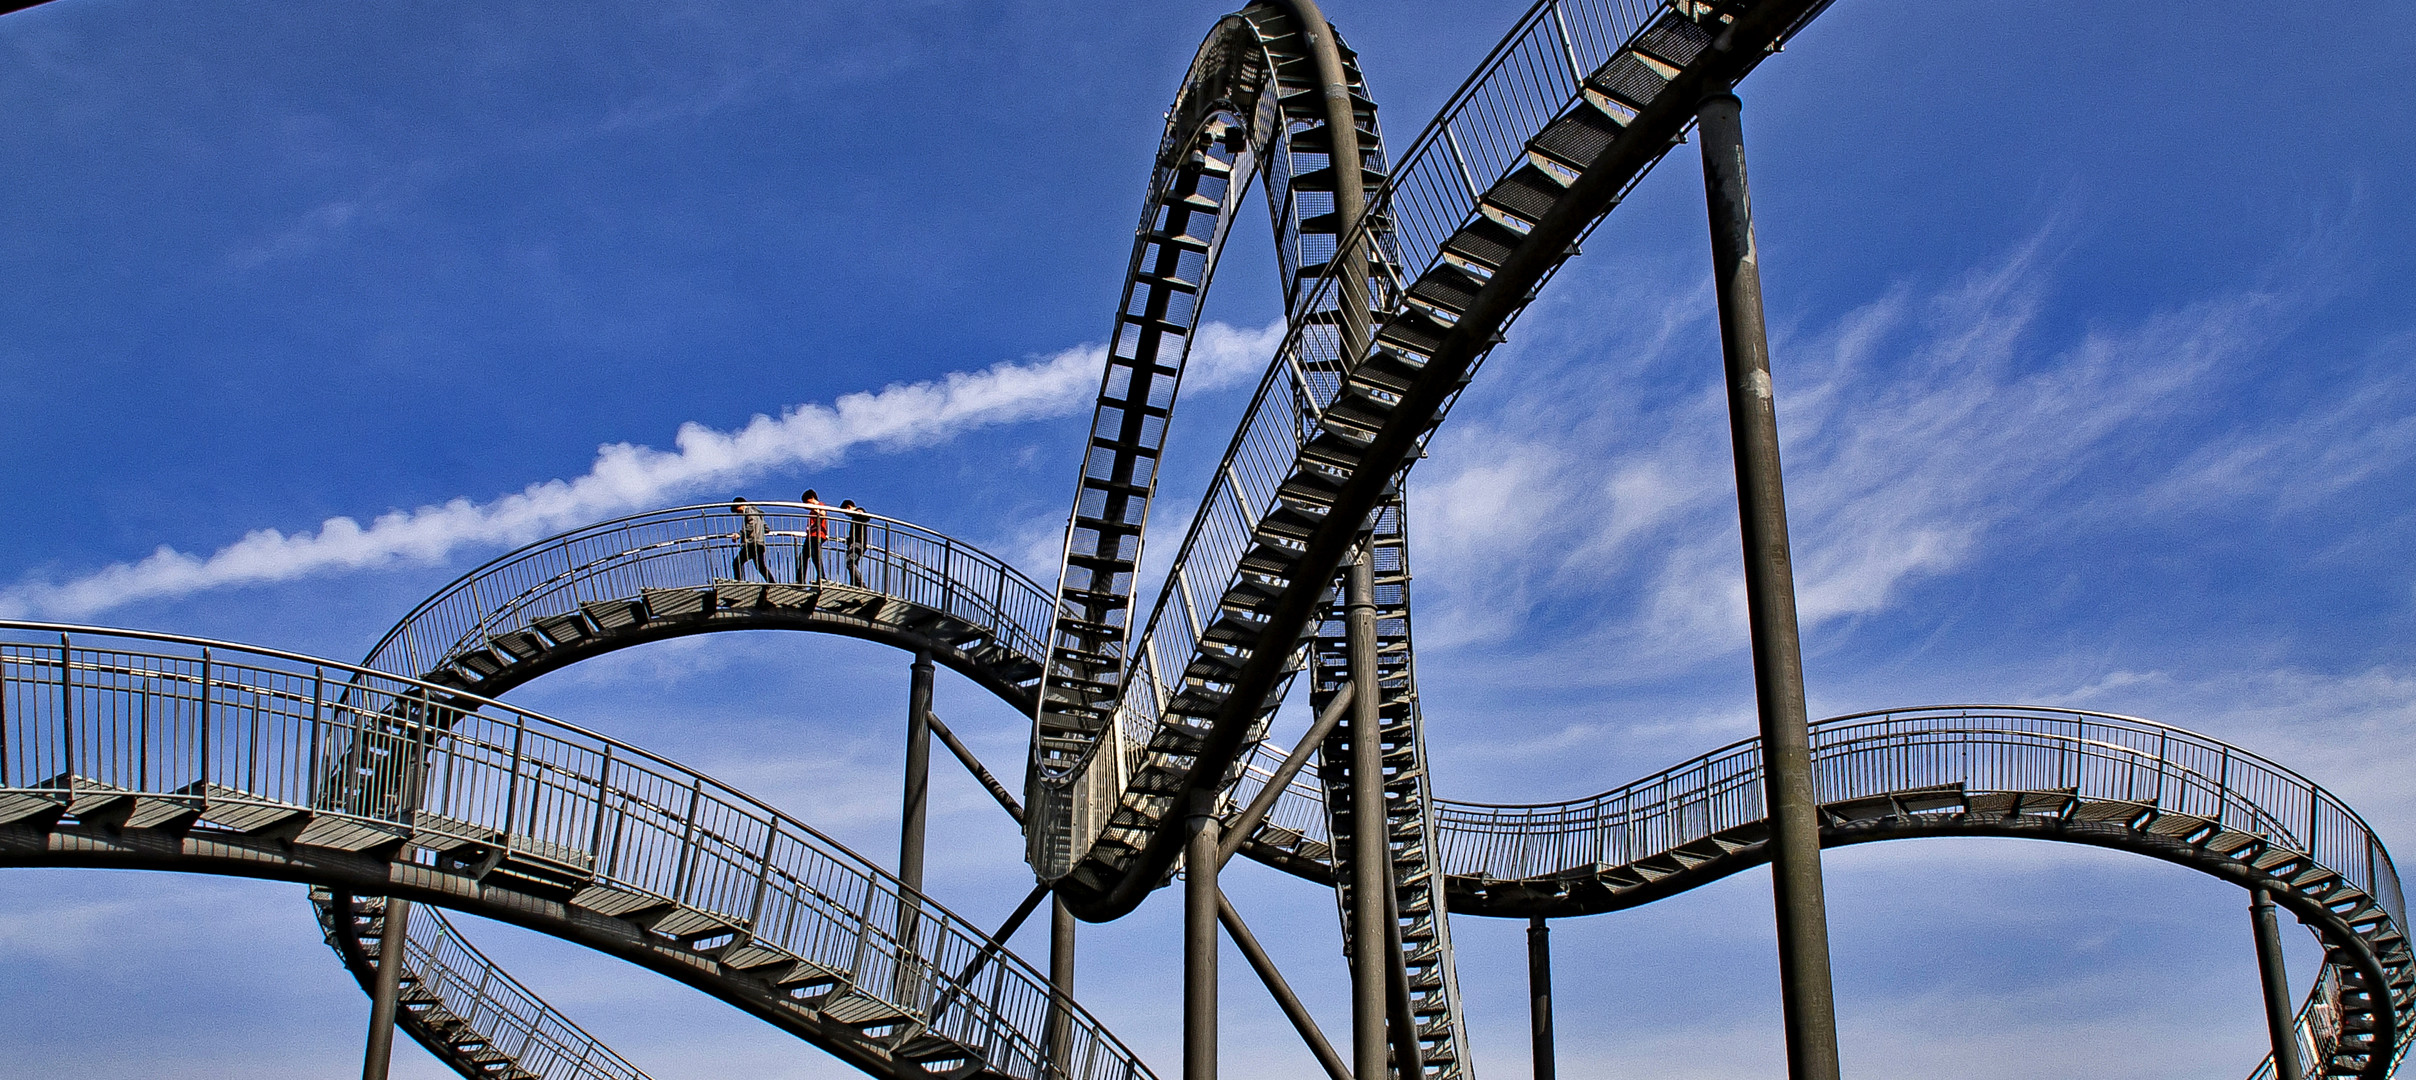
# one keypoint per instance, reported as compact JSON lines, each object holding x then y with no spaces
{"x":127,"y":749}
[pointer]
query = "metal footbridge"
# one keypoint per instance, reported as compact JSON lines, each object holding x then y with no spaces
{"x":405,"y":784}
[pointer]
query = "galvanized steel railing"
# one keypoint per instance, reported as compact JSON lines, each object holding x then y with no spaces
{"x":223,"y":729}
{"x":2094,"y":756}
{"x":506,"y":1016}
{"x":1537,"y":73}
{"x":690,"y":546}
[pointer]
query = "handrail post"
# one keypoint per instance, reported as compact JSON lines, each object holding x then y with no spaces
{"x":66,"y":712}
{"x":201,"y":730}
{"x":1810,"y":1011}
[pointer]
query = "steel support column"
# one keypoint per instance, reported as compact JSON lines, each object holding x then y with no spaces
{"x":1778,"y":671}
{"x":2279,"y":1023}
{"x":918,"y":772}
{"x":1061,"y":986}
{"x":1539,"y":995}
{"x":383,"y":998}
{"x":1200,"y":902}
{"x":1371,"y":857}
{"x":911,"y":820}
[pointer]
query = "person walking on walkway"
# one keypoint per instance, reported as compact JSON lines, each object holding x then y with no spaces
{"x":750,"y":541}
{"x":858,"y":528}
{"x":817,"y":530}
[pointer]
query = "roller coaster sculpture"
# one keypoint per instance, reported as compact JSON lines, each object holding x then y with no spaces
{"x":405,"y":780}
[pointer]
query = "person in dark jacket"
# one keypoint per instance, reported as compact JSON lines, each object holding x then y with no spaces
{"x":859,"y":529}
{"x":750,"y":541}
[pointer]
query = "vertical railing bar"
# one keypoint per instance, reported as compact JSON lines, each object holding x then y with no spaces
{"x":67,"y":711}
{"x":595,"y":841}
{"x":201,"y":730}
{"x":318,"y":710}
{"x":1568,"y":47}
{"x":687,"y":861}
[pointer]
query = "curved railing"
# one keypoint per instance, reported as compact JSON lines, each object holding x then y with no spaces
{"x":2234,"y":806}
{"x":2093,"y":756}
{"x":559,"y":581}
{"x":478,"y":805}
{"x":1315,"y":452}
{"x":467,"y":1011}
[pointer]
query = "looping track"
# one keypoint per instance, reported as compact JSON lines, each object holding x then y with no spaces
{"x":403,"y":778}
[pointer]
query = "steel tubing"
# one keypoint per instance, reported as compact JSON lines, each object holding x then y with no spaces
{"x":1200,"y":902}
{"x":1370,"y":856}
{"x":1778,"y":672}
{"x":1280,"y":990}
{"x":1061,"y":986}
{"x":1539,"y":996}
{"x":2276,"y":979}
{"x":383,"y":999}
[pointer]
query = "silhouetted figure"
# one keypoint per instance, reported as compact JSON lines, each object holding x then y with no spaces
{"x":750,"y":542}
{"x":817,"y":530}
{"x":858,"y":528}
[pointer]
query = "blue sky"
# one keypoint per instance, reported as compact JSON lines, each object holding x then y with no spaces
{"x":2092,"y":338}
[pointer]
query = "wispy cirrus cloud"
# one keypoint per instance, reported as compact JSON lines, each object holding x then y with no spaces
{"x":1599,"y":493}
{"x":626,"y":477}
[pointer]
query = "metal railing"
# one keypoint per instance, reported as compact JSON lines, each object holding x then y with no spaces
{"x":231,"y":731}
{"x":1535,"y":75}
{"x":505,"y":1016}
{"x":2093,"y":756}
{"x":692,"y":546}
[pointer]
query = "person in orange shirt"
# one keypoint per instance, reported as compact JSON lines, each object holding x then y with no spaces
{"x":817,"y":530}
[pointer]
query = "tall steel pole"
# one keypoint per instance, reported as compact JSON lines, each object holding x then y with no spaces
{"x":1539,"y":996}
{"x":912,"y":818}
{"x":387,"y":992}
{"x":2279,"y":1022}
{"x":1061,"y":985}
{"x":1778,"y":669}
{"x":918,"y":772}
{"x":1200,"y":902}
{"x":1371,"y":861}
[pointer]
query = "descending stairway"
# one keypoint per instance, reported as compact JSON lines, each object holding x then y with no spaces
{"x":475,"y":1018}
{"x":666,"y":573}
{"x":1250,"y":105}
{"x":1425,"y":927}
{"x":1291,"y":498}
{"x":150,"y":751}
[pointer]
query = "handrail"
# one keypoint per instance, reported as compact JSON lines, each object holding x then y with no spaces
{"x":506,"y":1016}
{"x":218,"y":728}
{"x":2101,"y":755}
{"x":1535,"y":81}
{"x":686,"y":546}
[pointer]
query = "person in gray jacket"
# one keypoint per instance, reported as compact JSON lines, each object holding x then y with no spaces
{"x":751,"y":534}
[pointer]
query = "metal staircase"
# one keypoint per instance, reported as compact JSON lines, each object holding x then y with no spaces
{"x":152,"y":751}
{"x":1425,"y":926}
{"x":468,"y":1013}
{"x":1291,"y":497}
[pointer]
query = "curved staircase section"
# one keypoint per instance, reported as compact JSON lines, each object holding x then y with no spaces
{"x":468,"y":1012}
{"x":1544,"y":140}
{"x":152,"y":751}
{"x":668,"y":573}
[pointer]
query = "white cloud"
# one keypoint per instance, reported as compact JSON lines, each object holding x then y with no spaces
{"x":1915,"y":425}
{"x":626,"y":477}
